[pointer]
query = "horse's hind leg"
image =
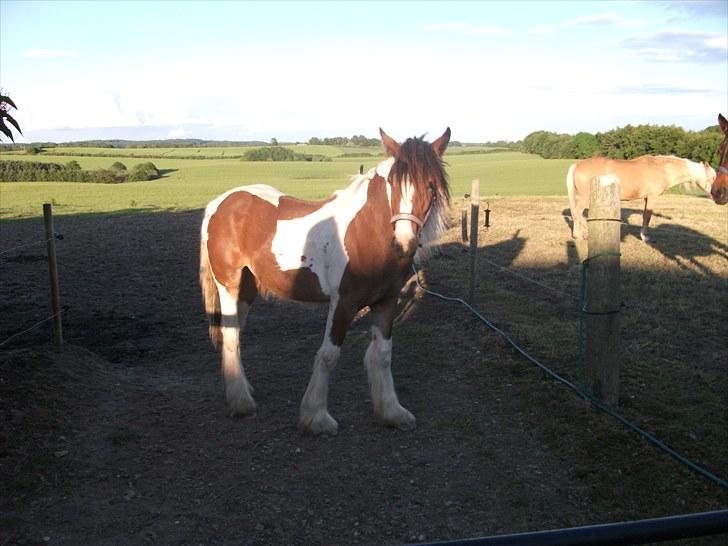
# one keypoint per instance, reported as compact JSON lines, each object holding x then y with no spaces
{"x":580,"y":230}
{"x":234,"y":305}
{"x":378,"y":362}
{"x":646,"y":215}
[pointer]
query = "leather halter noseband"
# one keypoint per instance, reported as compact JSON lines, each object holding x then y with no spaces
{"x":723,"y":170}
{"x":412,"y":218}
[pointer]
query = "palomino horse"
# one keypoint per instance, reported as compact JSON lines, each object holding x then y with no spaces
{"x":719,"y":191}
{"x":645,"y":177}
{"x":353,"y":250}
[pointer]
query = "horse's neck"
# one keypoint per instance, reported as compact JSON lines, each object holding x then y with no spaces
{"x":694,"y":173}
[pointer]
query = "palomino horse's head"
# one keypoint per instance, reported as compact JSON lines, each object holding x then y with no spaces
{"x":419,"y":190}
{"x":719,"y":190}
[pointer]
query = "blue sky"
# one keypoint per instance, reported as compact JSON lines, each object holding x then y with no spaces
{"x":292,"y":70}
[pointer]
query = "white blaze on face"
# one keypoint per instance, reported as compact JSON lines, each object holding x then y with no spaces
{"x":404,"y":230}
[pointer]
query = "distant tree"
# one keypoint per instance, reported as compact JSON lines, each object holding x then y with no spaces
{"x":586,"y":145}
{"x":6,"y":103}
{"x":274,"y":142}
{"x":143,"y":171}
{"x":118,"y":166}
{"x":73,"y":165}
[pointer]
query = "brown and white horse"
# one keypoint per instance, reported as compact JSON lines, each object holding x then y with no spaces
{"x":645,"y":177}
{"x":353,"y":250}
{"x":719,"y":191}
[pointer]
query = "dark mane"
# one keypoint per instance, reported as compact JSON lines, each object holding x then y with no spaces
{"x":417,"y":159}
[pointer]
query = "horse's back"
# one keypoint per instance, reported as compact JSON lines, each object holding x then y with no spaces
{"x":241,"y":229}
{"x":638,"y":177}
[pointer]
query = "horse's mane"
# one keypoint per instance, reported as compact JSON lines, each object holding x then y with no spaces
{"x":417,"y":159}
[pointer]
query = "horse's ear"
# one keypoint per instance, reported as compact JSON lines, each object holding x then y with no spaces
{"x":723,"y":124}
{"x":440,"y":144}
{"x":391,"y":145}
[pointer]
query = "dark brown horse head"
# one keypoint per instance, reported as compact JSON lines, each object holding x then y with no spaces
{"x":719,"y":189}
{"x":419,"y":190}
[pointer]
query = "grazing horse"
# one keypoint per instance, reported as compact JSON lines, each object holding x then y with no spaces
{"x":719,"y":191}
{"x":645,"y":177}
{"x":352,"y":250}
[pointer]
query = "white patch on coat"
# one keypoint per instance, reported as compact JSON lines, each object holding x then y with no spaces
{"x":404,"y":230}
{"x":319,"y":237}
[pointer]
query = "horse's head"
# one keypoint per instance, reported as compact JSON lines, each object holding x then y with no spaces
{"x":719,"y":189}
{"x":419,"y":191}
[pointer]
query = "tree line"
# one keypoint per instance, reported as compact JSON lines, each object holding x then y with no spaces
{"x":36,"y":171}
{"x":280,"y":153}
{"x":627,"y":143}
{"x":356,"y":140}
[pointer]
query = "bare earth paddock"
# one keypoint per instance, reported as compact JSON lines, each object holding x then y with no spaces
{"x":121,"y":436}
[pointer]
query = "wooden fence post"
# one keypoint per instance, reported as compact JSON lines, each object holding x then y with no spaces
{"x":464,"y":225}
{"x":53,"y":272}
{"x":603,"y":295}
{"x":474,"y":207}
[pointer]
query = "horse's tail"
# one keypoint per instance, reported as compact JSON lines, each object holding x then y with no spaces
{"x":210,"y":296}
{"x":571,"y":189}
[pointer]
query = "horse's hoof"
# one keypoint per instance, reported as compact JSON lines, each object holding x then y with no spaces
{"x":400,"y":418}
{"x":242,"y":408}
{"x":321,"y":424}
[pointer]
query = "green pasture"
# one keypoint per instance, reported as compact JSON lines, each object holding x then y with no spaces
{"x":189,"y":184}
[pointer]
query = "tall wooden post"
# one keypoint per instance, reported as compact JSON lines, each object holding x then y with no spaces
{"x":464,"y":225}
{"x":603,"y":295}
{"x":474,"y":207}
{"x":53,"y":273}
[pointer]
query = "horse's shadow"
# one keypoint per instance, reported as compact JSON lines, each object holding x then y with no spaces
{"x":669,"y":239}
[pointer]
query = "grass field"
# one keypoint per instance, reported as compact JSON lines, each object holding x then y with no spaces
{"x":189,"y":184}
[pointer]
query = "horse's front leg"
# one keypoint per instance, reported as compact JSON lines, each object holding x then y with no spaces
{"x":314,"y":415}
{"x":646,"y":215}
{"x":378,"y":362}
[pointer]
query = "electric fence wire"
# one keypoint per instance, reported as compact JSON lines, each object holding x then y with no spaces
{"x":596,"y":403}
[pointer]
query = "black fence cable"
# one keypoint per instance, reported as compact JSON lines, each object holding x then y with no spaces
{"x":596,"y":403}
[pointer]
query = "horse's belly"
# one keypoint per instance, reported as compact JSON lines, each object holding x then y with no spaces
{"x":300,"y":284}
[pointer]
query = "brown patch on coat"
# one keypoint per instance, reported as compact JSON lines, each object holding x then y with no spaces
{"x":374,"y":273}
{"x":719,"y":190}
{"x":240,"y":234}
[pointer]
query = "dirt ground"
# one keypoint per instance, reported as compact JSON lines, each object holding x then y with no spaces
{"x":121,"y":436}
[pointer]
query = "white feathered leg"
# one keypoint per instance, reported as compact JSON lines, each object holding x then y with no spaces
{"x":237,"y":389}
{"x":314,"y":415}
{"x":378,"y":362}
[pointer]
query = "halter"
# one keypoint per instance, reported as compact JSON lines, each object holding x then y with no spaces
{"x":412,"y":218}
{"x":723,"y":170}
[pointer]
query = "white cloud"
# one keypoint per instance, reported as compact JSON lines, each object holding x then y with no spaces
{"x":600,"y":19}
{"x":680,"y":46}
{"x":49,"y":53}
{"x":462,"y":28}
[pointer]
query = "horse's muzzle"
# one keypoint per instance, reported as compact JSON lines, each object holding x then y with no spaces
{"x":719,"y":194}
{"x":404,"y":251}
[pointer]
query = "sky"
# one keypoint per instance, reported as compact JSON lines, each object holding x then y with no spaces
{"x":232,"y":70}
